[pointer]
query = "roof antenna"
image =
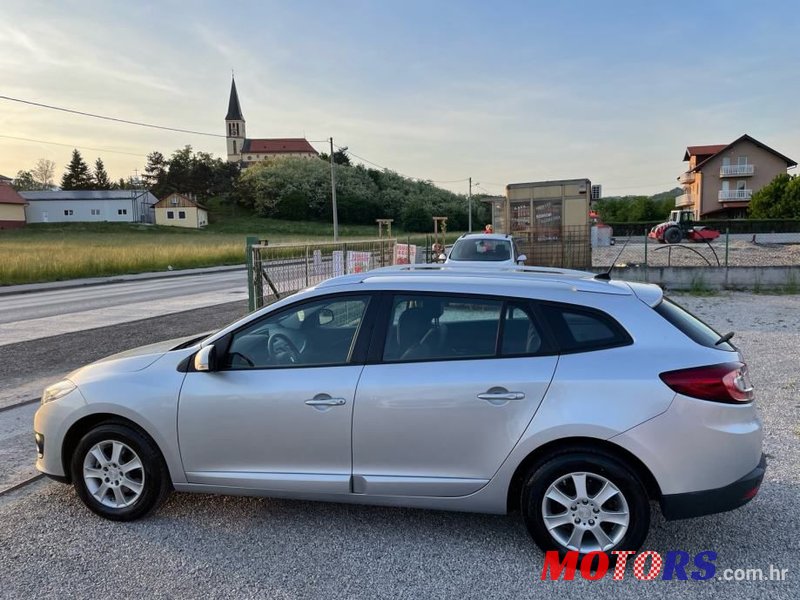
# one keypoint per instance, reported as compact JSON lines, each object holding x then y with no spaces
{"x":606,"y":276}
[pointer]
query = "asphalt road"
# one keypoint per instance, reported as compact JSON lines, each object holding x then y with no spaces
{"x":21,"y":307}
{"x":227,"y":547}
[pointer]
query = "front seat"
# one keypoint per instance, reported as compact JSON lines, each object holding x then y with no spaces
{"x":418,"y":336}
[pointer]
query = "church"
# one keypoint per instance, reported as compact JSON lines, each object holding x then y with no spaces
{"x":247,"y":151}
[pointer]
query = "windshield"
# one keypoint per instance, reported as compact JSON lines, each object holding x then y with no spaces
{"x":481,"y":249}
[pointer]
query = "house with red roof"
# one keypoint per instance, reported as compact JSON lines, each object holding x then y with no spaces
{"x":12,"y":206}
{"x":721,"y":178}
{"x":247,"y":151}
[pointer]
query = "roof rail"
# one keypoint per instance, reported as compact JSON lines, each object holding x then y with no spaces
{"x":439,"y":267}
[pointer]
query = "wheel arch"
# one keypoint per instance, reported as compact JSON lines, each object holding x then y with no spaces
{"x":85,"y":424}
{"x":577,"y":444}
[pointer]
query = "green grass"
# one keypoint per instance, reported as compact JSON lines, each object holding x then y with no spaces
{"x":58,"y":251}
{"x":700,"y":288}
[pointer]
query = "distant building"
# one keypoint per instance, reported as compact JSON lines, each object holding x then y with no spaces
{"x":550,"y":218}
{"x":6,"y":180}
{"x":722,"y":178}
{"x":247,"y":151}
{"x":179,"y":210}
{"x":12,"y":206}
{"x":80,"y":206}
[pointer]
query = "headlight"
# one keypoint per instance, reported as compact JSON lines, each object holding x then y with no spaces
{"x":57,"y":390}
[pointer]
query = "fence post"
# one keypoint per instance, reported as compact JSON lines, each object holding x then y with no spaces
{"x":250,"y":240}
{"x":306,"y":265}
{"x":727,"y":242}
{"x":646,"y":266}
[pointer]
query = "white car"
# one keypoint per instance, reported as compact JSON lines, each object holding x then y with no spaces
{"x":485,"y":249}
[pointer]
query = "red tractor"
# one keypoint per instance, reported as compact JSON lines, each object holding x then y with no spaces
{"x":681,"y":226}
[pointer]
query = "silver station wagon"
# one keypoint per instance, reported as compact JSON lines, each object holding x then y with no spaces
{"x":572,"y":399}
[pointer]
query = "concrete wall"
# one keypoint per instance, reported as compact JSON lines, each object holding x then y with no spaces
{"x":715,"y":278}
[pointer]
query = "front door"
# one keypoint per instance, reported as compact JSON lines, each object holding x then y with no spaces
{"x":459,"y":381}
{"x":277,"y":416}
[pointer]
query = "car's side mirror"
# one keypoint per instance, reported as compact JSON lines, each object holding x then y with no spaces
{"x":522,"y":259}
{"x":206,"y":359}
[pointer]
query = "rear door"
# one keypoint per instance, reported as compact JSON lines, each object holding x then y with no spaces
{"x":456,"y":381}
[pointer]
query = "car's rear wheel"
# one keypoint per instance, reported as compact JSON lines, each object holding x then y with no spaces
{"x":586,"y":502}
{"x":119,"y":473}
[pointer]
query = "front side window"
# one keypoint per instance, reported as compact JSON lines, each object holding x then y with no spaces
{"x":481,"y":249}
{"x":314,"y":333}
{"x":441,"y":328}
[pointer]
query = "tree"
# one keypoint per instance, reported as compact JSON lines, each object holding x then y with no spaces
{"x":25,"y":182}
{"x":77,"y":175}
{"x":339,"y":157}
{"x":101,"y":180}
{"x":43,"y":173}
{"x":779,"y":199}
{"x":155,"y":172}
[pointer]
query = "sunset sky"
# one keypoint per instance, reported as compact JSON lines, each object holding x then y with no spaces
{"x":442,"y":90}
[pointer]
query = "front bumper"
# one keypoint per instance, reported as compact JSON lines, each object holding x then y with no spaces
{"x":707,"y":502}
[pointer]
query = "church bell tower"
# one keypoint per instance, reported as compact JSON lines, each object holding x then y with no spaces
{"x":234,"y":126}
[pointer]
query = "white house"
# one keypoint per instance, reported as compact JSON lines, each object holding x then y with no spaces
{"x":80,"y":206}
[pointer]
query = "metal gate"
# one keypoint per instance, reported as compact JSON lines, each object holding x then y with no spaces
{"x":277,"y":270}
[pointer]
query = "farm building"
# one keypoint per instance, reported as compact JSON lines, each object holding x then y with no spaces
{"x":79,"y":206}
{"x":12,"y":206}
{"x":179,"y":210}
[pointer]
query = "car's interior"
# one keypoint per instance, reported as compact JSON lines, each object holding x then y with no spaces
{"x":481,"y":250}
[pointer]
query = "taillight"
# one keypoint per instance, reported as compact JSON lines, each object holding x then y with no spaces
{"x":726,"y":382}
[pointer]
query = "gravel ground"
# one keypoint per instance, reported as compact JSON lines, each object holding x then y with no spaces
{"x":222,"y":547}
{"x":741,"y":253}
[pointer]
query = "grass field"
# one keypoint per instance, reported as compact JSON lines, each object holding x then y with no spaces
{"x":57,"y":251}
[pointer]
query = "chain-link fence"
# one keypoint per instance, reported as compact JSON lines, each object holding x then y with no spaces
{"x":277,"y":270}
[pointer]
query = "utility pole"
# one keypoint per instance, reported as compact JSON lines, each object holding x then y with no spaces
{"x":469,"y":203}
{"x":333,"y":197}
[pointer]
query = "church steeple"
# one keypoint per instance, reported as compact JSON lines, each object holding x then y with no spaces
{"x":234,"y":108}
{"x":234,"y":123}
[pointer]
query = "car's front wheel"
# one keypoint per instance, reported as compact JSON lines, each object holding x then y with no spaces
{"x":119,"y":473}
{"x":585,"y":502}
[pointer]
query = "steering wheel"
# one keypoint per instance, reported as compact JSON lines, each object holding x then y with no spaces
{"x":281,"y":346}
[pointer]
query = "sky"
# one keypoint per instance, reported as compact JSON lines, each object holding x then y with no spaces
{"x":442,"y":90}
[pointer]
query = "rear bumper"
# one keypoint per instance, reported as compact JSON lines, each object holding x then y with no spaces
{"x":707,"y":502}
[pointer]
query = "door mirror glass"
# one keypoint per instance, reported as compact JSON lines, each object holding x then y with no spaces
{"x":206,"y":359}
{"x":522,"y":259}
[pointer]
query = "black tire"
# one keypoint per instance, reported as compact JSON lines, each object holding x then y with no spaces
{"x":591,"y":462}
{"x":153,"y":474}
{"x":673,"y":235}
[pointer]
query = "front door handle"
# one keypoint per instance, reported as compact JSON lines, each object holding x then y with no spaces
{"x":325,"y":400}
{"x":500,"y":394}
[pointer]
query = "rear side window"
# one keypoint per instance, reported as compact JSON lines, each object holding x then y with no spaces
{"x":691,"y":326}
{"x":579,"y":329}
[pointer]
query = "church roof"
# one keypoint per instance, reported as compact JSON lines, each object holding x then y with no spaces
{"x":278,"y":146}
{"x":234,"y":108}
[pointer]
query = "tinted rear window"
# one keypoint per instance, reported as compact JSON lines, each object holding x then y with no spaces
{"x":690,"y":325}
{"x":579,"y":329}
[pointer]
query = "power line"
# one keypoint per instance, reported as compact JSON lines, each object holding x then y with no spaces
{"x":22,"y":139}
{"x":106,"y":118}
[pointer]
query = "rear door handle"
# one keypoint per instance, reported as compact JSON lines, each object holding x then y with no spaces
{"x":326,"y":401}
{"x":501,"y":396}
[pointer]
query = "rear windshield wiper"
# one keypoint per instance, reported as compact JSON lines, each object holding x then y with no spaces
{"x":725,"y":338}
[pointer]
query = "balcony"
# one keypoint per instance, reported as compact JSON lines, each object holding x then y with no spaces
{"x":685,"y":200}
{"x":687,"y":177}
{"x":737,"y":170}
{"x":734,"y":195}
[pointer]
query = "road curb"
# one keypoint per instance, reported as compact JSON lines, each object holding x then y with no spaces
{"x":28,"y":288}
